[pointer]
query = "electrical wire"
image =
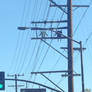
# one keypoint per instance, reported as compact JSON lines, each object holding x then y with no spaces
{"x":15,"y":52}
{"x":29,"y":43}
{"x":28,"y":11}
{"x":35,"y":60}
{"x":19,"y":40}
{"x":60,"y":55}
{"x":81,"y":20}
{"x":26,"y":51}
{"x":25,"y":55}
{"x":44,"y":57}
{"x":36,"y":57}
{"x":80,"y":23}
{"x":47,"y":48}
{"x":21,"y":46}
{"x":36,"y":7}
{"x":46,"y":51}
{"x":30,"y":59}
{"x":39,"y":9}
{"x":23,"y":13}
{"x":89,"y":36}
{"x":23,"y":52}
{"x":44,"y":25}
{"x":82,"y":16}
{"x":50,"y":42}
{"x":47,"y":14}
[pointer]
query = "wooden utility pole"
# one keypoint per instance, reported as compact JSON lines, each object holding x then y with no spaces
{"x":69,"y":37}
{"x":82,"y":69}
{"x":70,"y":46}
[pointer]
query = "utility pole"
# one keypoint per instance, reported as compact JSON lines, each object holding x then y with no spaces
{"x":82,"y":71}
{"x":69,"y":38}
{"x":70,"y":47}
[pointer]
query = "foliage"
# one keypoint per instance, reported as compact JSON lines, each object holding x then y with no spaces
{"x":87,"y":90}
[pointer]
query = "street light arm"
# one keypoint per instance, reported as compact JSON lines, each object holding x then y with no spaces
{"x":23,"y":28}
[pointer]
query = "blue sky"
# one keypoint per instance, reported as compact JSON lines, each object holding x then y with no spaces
{"x":18,"y":51}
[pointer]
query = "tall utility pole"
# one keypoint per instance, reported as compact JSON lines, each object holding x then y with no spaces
{"x":70,"y":47}
{"x":69,"y":37}
{"x":82,"y":71}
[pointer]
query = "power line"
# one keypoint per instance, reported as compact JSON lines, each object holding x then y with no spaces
{"x":40,"y":7}
{"x":44,"y":57}
{"x":46,"y":19}
{"x":32,"y":54}
{"x":23,"y":12}
{"x":81,"y":20}
{"x":26,"y":54}
{"x":82,"y":17}
{"x":22,"y":52}
{"x":50,"y":43}
{"x":36,"y":57}
{"x":89,"y":36}
{"x":15,"y":52}
{"x":48,"y":11}
{"x":24,"y":48}
{"x":19,"y":39}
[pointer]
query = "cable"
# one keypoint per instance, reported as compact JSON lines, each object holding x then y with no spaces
{"x":21,"y":39}
{"x":28,"y":10}
{"x":23,"y":13}
{"x":36,"y":56}
{"x":82,"y":17}
{"x":81,"y":20}
{"x":50,"y":42}
{"x":44,"y":57}
{"x":56,"y":62}
{"x":15,"y":52}
{"x":23,"y":52}
{"x":39,"y":9}
{"x":48,"y":46}
{"x":45,"y":11}
{"x":18,"y":40}
{"x":35,"y":60}
{"x":89,"y":36}
{"x":18,"y":55}
{"x":45,"y":24}
{"x":36,"y":7}
{"x":30,"y":59}
{"x":25,"y":55}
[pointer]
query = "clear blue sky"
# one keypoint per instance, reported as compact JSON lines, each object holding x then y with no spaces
{"x":17,"y":53}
